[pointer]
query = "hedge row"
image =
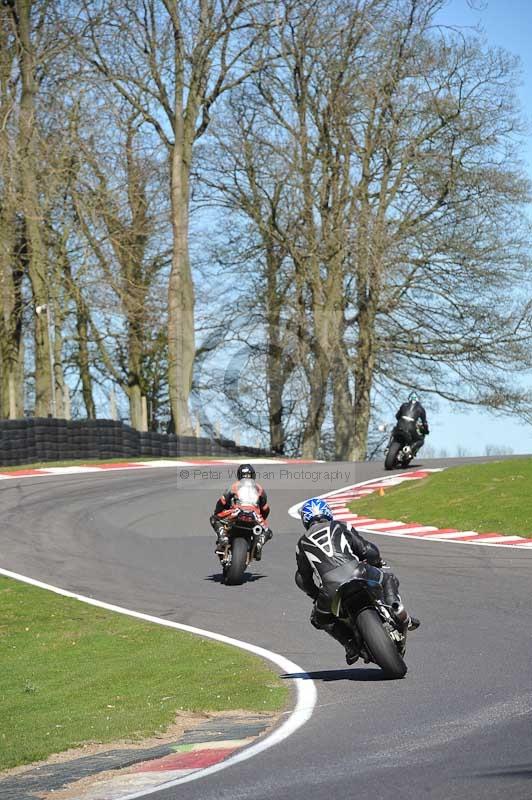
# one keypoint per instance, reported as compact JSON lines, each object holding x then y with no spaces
{"x":27,"y":441}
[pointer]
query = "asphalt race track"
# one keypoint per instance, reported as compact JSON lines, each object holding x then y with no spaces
{"x":458,"y":725}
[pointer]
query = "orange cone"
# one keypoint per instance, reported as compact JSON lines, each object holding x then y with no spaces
{"x":381,"y":492}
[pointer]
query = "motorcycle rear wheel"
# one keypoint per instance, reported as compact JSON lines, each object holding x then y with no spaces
{"x":234,"y":573}
{"x":391,"y":456}
{"x":381,"y":647}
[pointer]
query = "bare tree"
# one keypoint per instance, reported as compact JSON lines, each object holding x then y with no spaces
{"x":442,"y":202}
{"x":292,"y":177}
{"x":114,"y":197}
{"x":11,"y":266}
{"x":33,"y":66}
{"x":20,"y":21}
{"x":401,"y":211}
{"x":248,"y":177}
{"x":171,"y":61}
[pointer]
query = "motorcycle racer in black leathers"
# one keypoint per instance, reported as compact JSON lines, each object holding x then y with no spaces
{"x":326,"y":545}
{"x":412,"y":418}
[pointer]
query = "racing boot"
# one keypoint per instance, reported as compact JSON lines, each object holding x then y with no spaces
{"x":221,"y":534}
{"x":344,"y":635}
{"x":352,"y":652}
{"x":338,"y":630}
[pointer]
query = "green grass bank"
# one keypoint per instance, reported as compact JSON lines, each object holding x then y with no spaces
{"x":73,"y":674}
{"x":495,"y":497}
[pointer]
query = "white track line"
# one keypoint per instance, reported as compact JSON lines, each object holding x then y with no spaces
{"x":418,"y":529}
{"x":305,"y":687}
{"x":47,"y":472}
{"x":507,"y":539}
{"x":380,"y":526}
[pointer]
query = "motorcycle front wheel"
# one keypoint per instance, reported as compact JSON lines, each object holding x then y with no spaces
{"x":391,"y":456}
{"x":381,"y":647}
{"x":234,"y":573}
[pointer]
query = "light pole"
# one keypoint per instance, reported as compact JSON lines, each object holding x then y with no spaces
{"x":39,"y":310}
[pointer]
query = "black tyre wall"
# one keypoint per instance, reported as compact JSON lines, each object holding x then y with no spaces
{"x":27,"y":441}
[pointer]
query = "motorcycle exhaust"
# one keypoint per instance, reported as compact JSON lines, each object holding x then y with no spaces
{"x":399,"y":612}
{"x":257,"y":530}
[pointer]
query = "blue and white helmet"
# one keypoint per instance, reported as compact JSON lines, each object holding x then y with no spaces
{"x":313,"y":509}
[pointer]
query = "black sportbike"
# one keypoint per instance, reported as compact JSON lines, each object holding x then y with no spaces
{"x":379,"y":630}
{"x":402,"y":447}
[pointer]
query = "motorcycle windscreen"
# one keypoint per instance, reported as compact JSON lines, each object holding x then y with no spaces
{"x":247,"y":493}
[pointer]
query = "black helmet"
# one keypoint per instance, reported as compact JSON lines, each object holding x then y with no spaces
{"x":245,"y":471}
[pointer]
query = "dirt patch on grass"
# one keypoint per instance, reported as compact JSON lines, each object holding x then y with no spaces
{"x":183,"y":722}
{"x":98,"y":781}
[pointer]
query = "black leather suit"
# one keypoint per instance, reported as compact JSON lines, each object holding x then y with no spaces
{"x":412,"y":418}
{"x":323,"y":548}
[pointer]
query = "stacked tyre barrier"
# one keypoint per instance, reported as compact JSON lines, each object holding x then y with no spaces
{"x":34,"y":440}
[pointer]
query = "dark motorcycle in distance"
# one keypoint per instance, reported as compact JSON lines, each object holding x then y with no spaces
{"x":402,"y":447}
{"x":245,"y":532}
{"x":379,"y":630}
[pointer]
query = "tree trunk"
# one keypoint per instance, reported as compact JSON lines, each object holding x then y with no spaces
{"x":11,"y":345}
{"x":32,"y":214}
{"x":318,"y":378}
{"x":275,"y":364}
{"x":181,"y":345}
{"x":275,"y":392}
{"x":364,"y":370}
{"x":83,"y":359}
{"x":59,"y":377}
{"x":134,"y":389}
{"x":11,"y":267}
{"x":343,"y":416}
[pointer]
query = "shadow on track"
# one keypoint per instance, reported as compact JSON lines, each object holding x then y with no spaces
{"x":340,"y":675}
{"x":511,"y":771}
{"x":248,"y":577}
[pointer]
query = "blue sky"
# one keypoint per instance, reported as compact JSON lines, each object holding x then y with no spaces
{"x":507,"y":24}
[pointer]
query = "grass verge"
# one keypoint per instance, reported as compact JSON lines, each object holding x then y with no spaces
{"x":73,"y":673}
{"x":488,"y":498}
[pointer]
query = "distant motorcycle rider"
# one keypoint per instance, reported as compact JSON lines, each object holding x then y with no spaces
{"x":412,"y":418}
{"x":325,"y":545}
{"x":226,"y":504}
